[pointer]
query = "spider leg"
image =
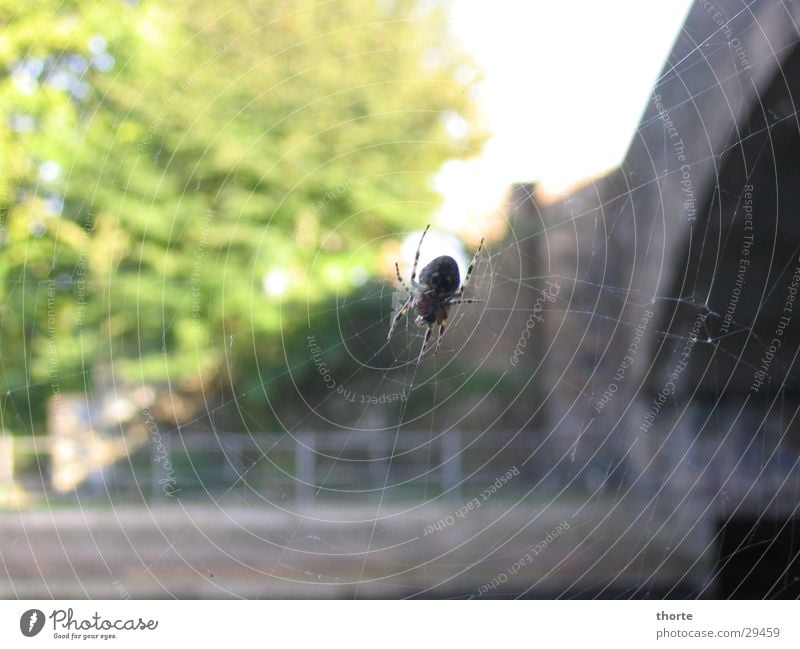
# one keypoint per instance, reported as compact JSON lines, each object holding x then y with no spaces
{"x":456,"y":300}
{"x":396,"y":318}
{"x":425,"y":342}
{"x":469,"y":270}
{"x":400,"y":279}
{"x":416,"y":257}
{"x":442,"y":327}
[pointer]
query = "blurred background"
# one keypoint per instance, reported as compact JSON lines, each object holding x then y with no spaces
{"x":201,"y":208}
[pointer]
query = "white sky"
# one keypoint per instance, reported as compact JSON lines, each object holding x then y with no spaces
{"x":565,"y":86}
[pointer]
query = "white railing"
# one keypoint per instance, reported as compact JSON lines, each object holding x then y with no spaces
{"x":304,"y":467}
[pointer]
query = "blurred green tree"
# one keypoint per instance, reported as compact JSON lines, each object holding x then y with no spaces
{"x":179,"y":182}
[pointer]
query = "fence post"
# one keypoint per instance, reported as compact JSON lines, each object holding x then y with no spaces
{"x":304,"y":468}
{"x":451,"y":462}
{"x":6,"y":460}
{"x":377,"y":468}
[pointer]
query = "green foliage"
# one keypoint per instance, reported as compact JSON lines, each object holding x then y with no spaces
{"x":161,"y":160}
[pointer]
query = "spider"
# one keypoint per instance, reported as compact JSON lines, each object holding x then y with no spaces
{"x":434,"y":294}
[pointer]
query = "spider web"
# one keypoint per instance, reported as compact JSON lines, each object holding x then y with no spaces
{"x":599,"y":482}
{"x":488,"y":470}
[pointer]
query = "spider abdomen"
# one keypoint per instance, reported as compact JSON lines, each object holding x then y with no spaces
{"x":441,"y":276}
{"x":430,"y":309}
